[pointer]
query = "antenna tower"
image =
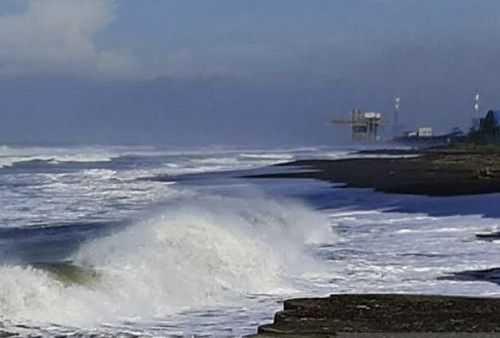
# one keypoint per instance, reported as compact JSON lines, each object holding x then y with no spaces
{"x":397,"y":104}
{"x":477,"y":111}
{"x":477,"y":105}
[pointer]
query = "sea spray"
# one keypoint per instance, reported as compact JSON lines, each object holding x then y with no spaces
{"x":198,"y":253}
{"x":34,"y":296}
{"x":205,"y":252}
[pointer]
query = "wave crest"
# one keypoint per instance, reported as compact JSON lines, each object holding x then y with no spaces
{"x":212,"y":251}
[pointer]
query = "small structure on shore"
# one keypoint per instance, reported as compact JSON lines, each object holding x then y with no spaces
{"x":364,"y":125}
{"x":424,"y":137}
{"x":421,"y":132}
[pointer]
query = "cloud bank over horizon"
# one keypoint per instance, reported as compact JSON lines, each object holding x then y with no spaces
{"x":59,"y":37}
{"x":247,"y":71}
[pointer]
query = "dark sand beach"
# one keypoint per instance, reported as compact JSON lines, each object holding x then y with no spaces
{"x":450,"y":171}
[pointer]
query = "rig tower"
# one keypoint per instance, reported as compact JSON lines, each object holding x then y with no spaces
{"x":364,"y":125}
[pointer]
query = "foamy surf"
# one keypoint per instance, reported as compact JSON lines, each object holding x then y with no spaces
{"x":99,"y":248}
{"x":211,"y":252}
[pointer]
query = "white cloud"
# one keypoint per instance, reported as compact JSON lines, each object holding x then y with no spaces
{"x":58,"y":36}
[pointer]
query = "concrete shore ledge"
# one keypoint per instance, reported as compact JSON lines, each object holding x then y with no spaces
{"x":386,"y":315}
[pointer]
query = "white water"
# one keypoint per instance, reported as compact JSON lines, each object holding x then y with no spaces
{"x":216,"y":255}
{"x":213,"y":251}
{"x":55,"y":155}
{"x":103,"y":183}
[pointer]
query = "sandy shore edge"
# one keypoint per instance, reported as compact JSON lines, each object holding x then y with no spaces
{"x":434,"y":172}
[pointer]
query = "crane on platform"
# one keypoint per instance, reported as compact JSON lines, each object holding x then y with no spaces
{"x":364,"y":125}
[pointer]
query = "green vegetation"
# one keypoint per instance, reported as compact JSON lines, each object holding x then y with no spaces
{"x":483,"y":173}
{"x":488,"y":131}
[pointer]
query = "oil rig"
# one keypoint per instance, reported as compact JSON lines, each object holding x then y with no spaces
{"x":364,"y":125}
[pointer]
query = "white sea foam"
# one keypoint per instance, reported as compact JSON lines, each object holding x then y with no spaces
{"x":212,"y":251}
{"x":224,"y":162}
{"x":268,"y":156}
{"x":57,"y":197}
{"x":54,"y":155}
{"x":384,"y":251}
{"x":427,"y":231}
{"x":31,"y":295}
{"x":203,"y":250}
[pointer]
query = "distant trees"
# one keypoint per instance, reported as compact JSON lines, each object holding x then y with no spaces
{"x":488,"y":130}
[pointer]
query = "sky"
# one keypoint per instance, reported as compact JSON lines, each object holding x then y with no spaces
{"x":245,"y":72}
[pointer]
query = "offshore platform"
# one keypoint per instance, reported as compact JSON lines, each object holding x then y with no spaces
{"x":364,"y":125}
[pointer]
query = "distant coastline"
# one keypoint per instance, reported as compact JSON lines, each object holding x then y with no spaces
{"x":461,"y":169}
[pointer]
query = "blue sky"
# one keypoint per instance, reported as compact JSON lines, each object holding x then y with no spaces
{"x":251,"y":72}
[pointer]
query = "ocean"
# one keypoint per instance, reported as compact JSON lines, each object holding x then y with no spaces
{"x":148,"y":241}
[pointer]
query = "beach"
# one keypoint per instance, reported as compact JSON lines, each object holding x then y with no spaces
{"x":448,"y":171}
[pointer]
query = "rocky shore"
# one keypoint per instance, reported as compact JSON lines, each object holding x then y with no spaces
{"x":459,"y":170}
{"x":385,"y":315}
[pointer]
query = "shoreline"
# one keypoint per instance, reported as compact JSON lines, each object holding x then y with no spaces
{"x":447,"y":171}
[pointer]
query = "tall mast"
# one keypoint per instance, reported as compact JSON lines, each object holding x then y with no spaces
{"x":397,"y":104}
{"x":477,"y":105}
{"x":477,"y":111}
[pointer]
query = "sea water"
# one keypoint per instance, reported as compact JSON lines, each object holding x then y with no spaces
{"x":154,"y":241}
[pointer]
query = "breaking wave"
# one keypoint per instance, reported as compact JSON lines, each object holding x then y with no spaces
{"x":30,"y":156}
{"x":210,"y":251}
